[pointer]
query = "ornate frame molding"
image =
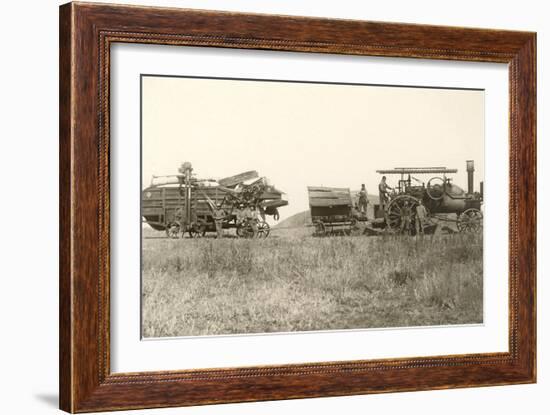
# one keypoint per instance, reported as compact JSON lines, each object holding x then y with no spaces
{"x":86,"y":33}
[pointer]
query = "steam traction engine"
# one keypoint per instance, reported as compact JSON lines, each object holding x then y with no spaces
{"x":439,"y":195}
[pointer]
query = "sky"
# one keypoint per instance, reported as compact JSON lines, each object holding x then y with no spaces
{"x":302,"y":134}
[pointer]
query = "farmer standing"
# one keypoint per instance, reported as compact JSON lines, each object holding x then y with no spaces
{"x":218,"y":214}
{"x":421,"y":218}
{"x":363,"y":200}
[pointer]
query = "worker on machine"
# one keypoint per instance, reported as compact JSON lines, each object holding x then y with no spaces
{"x":363,"y":200}
{"x":219,"y":215}
{"x":383,"y":192}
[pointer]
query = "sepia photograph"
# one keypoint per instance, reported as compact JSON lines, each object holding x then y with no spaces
{"x":278,"y":206}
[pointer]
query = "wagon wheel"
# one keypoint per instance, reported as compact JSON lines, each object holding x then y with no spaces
{"x":399,"y":209}
{"x":245,"y":230}
{"x":197,"y":231}
{"x":173,"y":230}
{"x":354,"y":228}
{"x":470,"y":220}
{"x":435,"y":191}
{"x":263,"y":229}
{"x":320,"y":228}
{"x":239,"y":230}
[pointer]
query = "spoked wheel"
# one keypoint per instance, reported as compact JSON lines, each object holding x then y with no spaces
{"x":263,"y":229}
{"x":197,"y":231}
{"x":400,"y":214}
{"x":320,"y":229}
{"x":239,"y":230}
{"x":173,"y":230}
{"x":471,"y":220}
{"x":354,"y":227}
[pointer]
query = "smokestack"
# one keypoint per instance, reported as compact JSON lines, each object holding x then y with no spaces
{"x":470,"y":170}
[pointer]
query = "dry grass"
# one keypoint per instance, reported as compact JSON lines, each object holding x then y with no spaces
{"x":295,"y":283}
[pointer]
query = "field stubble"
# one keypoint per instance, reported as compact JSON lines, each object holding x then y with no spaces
{"x":300,"y":283}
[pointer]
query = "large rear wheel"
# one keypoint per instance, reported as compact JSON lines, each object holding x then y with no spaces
{"x":400,"y":214}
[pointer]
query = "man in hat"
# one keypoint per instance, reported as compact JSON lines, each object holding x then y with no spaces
{"x":363,"y":200}
{"x":421,"y":218}
{"x":219,"y":215}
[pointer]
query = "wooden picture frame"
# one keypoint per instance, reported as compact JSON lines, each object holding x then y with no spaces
{"x":86,"y":33}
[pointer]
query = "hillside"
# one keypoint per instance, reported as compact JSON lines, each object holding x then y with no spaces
{"x":298,"y":219}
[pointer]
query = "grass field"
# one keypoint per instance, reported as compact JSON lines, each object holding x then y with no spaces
{"x":300,"y":283}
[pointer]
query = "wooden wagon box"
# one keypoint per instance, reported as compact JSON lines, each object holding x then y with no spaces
{"x":162,"y":205}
